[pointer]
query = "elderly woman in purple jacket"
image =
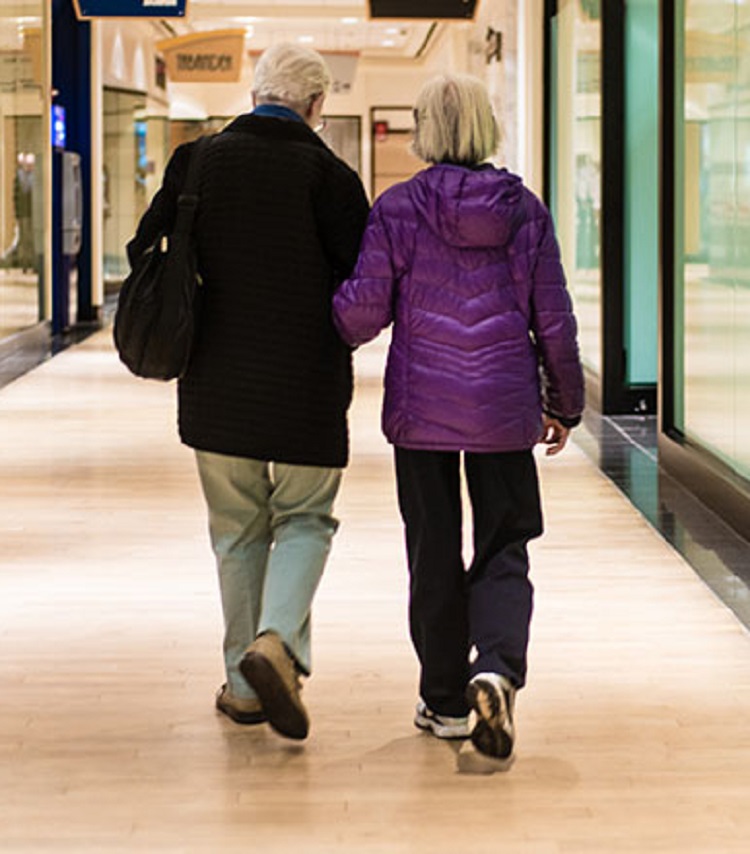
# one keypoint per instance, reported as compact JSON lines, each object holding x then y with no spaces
{"x":483,"y":365}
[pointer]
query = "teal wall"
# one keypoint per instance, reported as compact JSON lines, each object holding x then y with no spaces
{"x":641,"y":248}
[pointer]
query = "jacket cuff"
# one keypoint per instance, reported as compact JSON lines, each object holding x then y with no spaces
{"x":569,"y":423}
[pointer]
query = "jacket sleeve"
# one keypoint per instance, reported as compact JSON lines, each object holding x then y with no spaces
{"x":341,"y":213}
{"x":363,"y":305}
{"x":554,"y":328}
{"x":162,"y":212}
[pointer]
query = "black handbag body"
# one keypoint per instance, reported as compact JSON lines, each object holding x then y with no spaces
{"x":158,"y":306}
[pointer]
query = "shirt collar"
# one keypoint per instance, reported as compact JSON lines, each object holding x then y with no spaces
{"x":277,"y":111}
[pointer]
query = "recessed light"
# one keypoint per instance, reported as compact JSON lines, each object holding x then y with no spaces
{"x":305,"y":39}
{"x":350,"y":20}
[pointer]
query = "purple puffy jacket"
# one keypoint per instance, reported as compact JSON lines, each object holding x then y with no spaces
{"x":465,"y":264}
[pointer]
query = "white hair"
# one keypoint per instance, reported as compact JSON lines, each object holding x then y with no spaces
{"x":292,"y":75}
{"x":454,"y":121}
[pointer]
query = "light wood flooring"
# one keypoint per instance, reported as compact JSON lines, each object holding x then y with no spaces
{"x":633,"y":733}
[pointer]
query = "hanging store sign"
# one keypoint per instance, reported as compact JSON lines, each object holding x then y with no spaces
{"x":130,"y":8}
{"x":213,"y":57}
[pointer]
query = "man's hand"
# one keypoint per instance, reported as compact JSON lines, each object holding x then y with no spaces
{"x":554,"y":435}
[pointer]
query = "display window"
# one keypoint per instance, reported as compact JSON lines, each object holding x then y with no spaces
{"x":136,"y":145}
{"x":21,"y":167}
{"x":576,"y":162}
{"x":711,"y":256}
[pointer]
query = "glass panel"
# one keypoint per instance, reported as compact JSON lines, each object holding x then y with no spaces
{"x":136,"y":140}
{"x":21,"y":161}
{"x":713,"y":264}
{"x":741,"y":330}
{"x":124,"y":193}
{"x":577,"y":163}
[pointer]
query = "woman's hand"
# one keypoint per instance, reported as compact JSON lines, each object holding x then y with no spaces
{"x":554,"y":435}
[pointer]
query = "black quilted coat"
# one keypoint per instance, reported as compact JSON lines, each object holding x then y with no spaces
{"x":279,"y":225}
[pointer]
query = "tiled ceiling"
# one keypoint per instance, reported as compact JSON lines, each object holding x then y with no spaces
{"x":326,"y":25}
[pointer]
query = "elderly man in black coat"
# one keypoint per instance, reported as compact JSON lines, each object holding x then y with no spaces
{"x":264,"y":401}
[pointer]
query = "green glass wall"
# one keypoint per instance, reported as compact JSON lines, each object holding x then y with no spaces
{"x":712,"y":228}
{"x":641,"y":183}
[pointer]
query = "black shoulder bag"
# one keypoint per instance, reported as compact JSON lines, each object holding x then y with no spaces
{"x":158,"y":305}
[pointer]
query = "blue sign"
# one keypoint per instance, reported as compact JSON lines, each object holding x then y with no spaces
{"x":130,"y":8}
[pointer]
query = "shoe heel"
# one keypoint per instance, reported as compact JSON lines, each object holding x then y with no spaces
{"x":492,"y":734}
{"x":281,"y":713}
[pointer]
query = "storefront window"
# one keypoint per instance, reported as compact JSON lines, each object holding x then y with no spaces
{"x":136,"y":143}
{"x":576,"y":162}
{"x":21,"y":162}
{"x":712,"y":228}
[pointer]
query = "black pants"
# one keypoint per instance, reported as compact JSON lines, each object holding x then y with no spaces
{"x":488,"y":606}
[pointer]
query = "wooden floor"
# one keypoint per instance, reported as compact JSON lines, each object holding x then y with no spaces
{"x":634,"y":731}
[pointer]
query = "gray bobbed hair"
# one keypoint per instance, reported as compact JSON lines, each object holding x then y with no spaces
{"x":290,"y":74}
{"x":454,"y":121}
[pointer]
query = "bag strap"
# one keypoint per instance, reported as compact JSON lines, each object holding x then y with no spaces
{"x":187,"y":201}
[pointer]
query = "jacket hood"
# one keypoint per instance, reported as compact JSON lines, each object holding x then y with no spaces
{"x":469,"y":207}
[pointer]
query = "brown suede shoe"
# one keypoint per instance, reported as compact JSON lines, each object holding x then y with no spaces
{"x":271,"y":673}
{"x":240,"y":709}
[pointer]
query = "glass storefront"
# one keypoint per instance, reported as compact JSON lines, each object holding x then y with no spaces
{"x":21,"y":167}
{"x":136,"y":145}
{"x":577,"y":162}
{"x":712,"y":228}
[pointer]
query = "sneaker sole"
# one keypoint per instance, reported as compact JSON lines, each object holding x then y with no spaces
{"x":444,"y":733}
{"x":281,"y":712}
{"x":489,"y":735}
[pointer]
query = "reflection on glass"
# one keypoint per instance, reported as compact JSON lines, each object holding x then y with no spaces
{"x":713,"y":263}
{"x":21,"y":165}
{"x":135,"y":151}
{"x":577,"y":164}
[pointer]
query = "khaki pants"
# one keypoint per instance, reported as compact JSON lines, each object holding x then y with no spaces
{"x":271,"y":529}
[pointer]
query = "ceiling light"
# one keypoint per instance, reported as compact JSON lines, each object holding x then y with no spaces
{"x":350,"y":20}
{"x":388,"y":43}
{"x":305,"y":39}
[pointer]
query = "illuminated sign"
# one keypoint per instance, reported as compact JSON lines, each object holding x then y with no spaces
{"x":58,"y":126}
{"x":130,"y":8}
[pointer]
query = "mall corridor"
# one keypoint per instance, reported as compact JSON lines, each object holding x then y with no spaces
{"x":634,"y":731}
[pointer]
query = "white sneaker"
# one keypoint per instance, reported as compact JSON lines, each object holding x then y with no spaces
{"x":441,"y":726}
{"x":492,"y":697}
